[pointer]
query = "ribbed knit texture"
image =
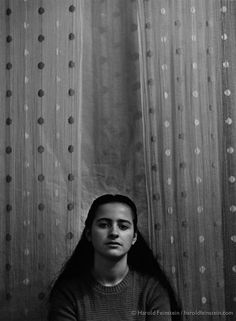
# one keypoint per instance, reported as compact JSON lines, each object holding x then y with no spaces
{"x":136,"y":297}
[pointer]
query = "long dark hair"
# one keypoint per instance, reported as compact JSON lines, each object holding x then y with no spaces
{"x":140,"y":256}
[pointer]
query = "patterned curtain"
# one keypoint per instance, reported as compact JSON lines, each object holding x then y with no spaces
{"x":188,"y":95}
{"x":118,"y":96}
{"x":71,"y":129}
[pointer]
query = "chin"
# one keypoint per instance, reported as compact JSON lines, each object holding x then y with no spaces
{"x":114,"y":255}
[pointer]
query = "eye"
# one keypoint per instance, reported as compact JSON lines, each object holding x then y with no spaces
{"x":103,"y":225}
{"x":123,"y":227}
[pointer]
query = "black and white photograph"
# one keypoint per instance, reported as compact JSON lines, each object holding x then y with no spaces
{"x":118,"y":160}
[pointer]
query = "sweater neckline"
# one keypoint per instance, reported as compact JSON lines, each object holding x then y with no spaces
{"x":97,"y":286}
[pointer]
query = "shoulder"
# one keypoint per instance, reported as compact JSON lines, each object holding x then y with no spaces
{"x":151,"y":289}
{"x":70,"y":287}
{"x":63,"y":299}
{"x":145,"y":279}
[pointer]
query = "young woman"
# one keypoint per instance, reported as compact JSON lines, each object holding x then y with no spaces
{"x":112,"y":274}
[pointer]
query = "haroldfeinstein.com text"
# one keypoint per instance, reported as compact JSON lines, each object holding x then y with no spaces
{"x":192,"y":313}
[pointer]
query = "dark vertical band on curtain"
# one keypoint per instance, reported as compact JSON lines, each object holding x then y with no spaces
{"x":228,"y":41}
{"x":7,"y":170}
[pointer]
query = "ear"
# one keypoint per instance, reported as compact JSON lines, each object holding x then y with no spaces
{"x":88,"y":235}
{"x":134,"y":238}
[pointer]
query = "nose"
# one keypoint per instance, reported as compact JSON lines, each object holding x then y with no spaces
{"x":113,"y":232}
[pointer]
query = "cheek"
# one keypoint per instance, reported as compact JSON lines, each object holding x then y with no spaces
{"x":97,"y":235}
{"x":129,"y":238}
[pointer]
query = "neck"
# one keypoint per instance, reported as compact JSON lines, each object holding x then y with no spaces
{"x":108,"y":272}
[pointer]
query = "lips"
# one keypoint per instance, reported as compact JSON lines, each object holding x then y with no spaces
{"x":113,"y":243}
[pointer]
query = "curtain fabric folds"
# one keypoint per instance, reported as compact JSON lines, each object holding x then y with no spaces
{"x":187,"y":94}
{"x":115,"y":96}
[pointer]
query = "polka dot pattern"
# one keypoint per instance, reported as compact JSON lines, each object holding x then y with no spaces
{"x":229,"y":115}
{"x":53,"y":142}
{"x":184,"y":140}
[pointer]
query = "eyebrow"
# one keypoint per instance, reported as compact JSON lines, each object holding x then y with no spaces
{"x":109,"y":220}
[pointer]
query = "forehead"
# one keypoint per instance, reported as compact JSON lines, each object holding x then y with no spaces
{"x":114,"y":211}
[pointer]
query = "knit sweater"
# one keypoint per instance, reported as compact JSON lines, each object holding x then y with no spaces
{"x":136,"y":297}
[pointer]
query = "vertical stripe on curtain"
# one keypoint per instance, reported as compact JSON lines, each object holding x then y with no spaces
{"x":228,"y":67}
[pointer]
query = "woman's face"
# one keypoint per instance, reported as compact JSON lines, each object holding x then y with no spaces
{"x":112,"y":231}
